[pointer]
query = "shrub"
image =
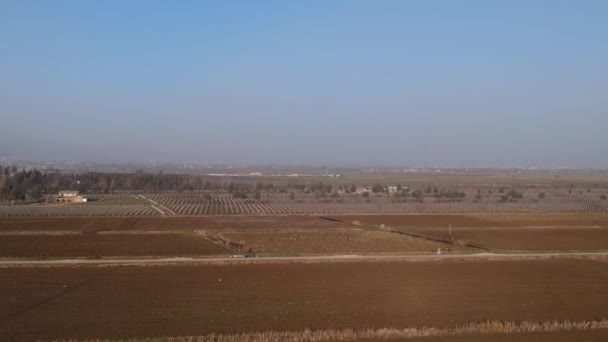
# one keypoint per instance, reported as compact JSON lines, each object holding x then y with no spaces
{"x":417,"y":194}
{"x":239,"y":194}
{"x":511,"y":196}
{"x":377,"y":188}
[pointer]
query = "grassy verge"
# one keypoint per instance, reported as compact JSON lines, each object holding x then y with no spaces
{"x":478,"y":328}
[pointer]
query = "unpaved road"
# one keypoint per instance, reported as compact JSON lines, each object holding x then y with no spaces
{"x":307,"y":259}
{"x":158,"y":207}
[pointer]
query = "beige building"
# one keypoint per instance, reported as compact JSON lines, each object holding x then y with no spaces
{"x":69,"y":196}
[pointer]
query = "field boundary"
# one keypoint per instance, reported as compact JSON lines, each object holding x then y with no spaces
{"x":221,"y":240}
{"x":477,"y":328}
{"x":484,"y":257}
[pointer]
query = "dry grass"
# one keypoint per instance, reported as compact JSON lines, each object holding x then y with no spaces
{"x":220,"y":239}
{"x":479,"y":328}
{"x":324,"y":241}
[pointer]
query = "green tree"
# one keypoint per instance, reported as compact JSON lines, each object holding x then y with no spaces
{"x":417,"y":194}
{"x":377,"y":188}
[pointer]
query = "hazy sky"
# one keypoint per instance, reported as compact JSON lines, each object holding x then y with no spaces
{"x":438,"y":83}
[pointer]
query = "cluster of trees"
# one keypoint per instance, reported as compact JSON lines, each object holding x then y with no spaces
{"x":403,"y":192}
{"x":348,"y":189}
{"x":6,"y":171}
{"x":449,"y":194}
{"x":22,"y":186}
{"x":511,"y":196}
{"x":320,"y":188}
{"x":32,"y":185}
{"x":417,"y":195}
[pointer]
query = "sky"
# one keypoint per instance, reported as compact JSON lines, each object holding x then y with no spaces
{"x":344,"y":83}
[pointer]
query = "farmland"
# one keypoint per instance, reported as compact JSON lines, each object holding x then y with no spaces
{"x":268,"y":263}
{"x":303,"y":171}
{"x":502,"y":232}
{"x":307,"y":242}
{"x":300,"y":235}
{"x":135,"y":301}
{"x":222,"y":204}
{"x":177,"y":236}
{"x":419,"y":194}
{"x":69,"y":244}
{"x":529,"y":238}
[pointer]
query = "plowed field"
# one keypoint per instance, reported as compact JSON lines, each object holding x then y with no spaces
{"x":119,"y":302}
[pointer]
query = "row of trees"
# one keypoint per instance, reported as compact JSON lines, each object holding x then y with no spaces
{"x":32,"y":185}
{"x":22,"y":186}
{"x":6,"y":171}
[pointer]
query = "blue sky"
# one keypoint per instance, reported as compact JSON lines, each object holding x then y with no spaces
{"x":438,"y":83}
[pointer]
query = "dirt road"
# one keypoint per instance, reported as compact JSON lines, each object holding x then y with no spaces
{"x":307,"y":259}
{"x":158,"y":207}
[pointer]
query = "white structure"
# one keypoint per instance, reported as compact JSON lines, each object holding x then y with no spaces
{"x":70,"y":196}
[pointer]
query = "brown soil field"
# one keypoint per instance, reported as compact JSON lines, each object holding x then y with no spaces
{"x":92,"y":224}
{"x":301,"y":235}
{"x":503,"y":232}
{"x":529,"y":238}
{"x":567,"y":336}
{"x":121,"y":302}
{"x":311,"y":242}
{"x":100,"y":245}
{"x":298,"y":221}
{"x":479,"y":220}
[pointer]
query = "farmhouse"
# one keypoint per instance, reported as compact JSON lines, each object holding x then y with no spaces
{"x":69,"y":196}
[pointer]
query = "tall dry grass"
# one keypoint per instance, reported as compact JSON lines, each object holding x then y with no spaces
{"x":488,"y":327}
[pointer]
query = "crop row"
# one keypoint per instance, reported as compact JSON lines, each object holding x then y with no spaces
{"x":222,"y":203}
{"x":77,"y":210}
